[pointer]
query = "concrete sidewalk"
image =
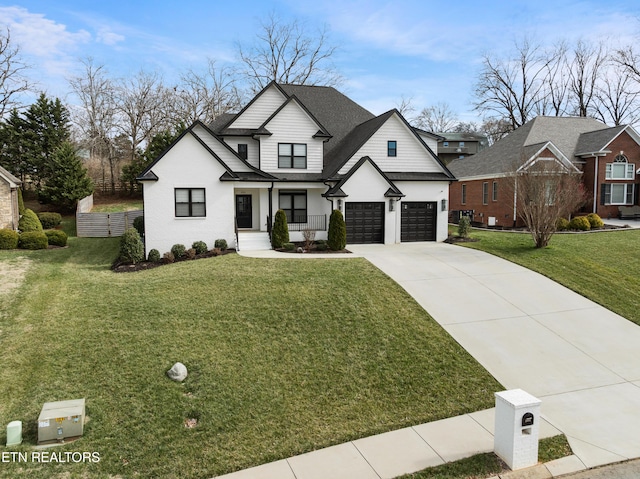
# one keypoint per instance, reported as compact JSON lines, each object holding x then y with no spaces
{"x":404,"y":451}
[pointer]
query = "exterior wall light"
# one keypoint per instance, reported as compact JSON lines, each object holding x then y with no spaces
{"x":339,"y":205}
{"x":444,"y":205}
{"x":392,"y":204}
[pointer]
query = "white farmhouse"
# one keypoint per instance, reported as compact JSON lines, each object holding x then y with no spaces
{"x":306,"y":150}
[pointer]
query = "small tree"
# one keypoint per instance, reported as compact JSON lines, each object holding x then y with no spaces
{"x":545,"y":192}
{"x":309,"y":236}
{"x":280,"y":233}
{"x":68,"y":182}
{"x":29,"y":221}
{"x":464,"y":225}
{"x":131,"y":247}
{"x":337,"y":235}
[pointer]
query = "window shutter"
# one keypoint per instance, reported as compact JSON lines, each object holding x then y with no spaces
{"x":630,"y":194}
{"x":605,"y":194}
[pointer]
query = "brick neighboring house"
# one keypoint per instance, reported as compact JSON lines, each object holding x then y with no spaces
{"x":9,"y":215}
{"x":608,"y":157}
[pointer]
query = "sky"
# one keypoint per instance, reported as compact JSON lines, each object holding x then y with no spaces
{"x":428,"y":51}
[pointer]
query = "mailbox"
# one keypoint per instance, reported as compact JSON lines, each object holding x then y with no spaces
{"x":527,"y":419}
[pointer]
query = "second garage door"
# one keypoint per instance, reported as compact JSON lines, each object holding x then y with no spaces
{"x":365,"y":222}
{"x":418,"y":221}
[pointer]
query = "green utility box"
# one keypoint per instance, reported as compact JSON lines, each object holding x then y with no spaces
{"x":61,"y":420}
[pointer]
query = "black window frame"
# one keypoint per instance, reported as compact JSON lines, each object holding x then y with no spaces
{"x":243,"y":150}
{"x":290,"y":159}
{"x":392,"y":148}
{"x":292,"y":216}
{"x":190,"y":203}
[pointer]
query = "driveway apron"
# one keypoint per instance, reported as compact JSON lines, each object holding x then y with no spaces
{"x":580,"y":359}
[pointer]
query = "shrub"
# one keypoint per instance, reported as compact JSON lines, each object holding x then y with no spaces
{"x":337,"y":235}
{"x":321,"y":246}
{"x":49,"y":220}
{"x":580,"y":223}
{"x":29,"y":222}
{"x":200,"y":247}
{"x":33,"y":240}
{"x":289,"y":246}
{"x":190,"y":253}
{"x":562,"y":224}
{"x":464,"y":226}
{"x":595,"y":221}
{"x":220,"y":244}
{"x":154,"y":256}
{"x":168,"y":257}
{"x":138,"y":224}
{"x":131,"y":248}
{"x":178,"y":250}
{"x":8,"y":239}
{"x":56,"y":237}
{"x":280,"y":233}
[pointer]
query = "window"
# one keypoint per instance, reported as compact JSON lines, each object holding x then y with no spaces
{"x":392,"y":148}
{"x":618,"y":194}
{"x":190,"y":202}
{"x":242,"y":150}
{"x":494,"y":191}
{"x":485,"y":193}
{"x":620,"y":169}
{"x":464,"y":194}
{"x":292,"y":155}
{"x":461,"y":144}
{"x":445,"y":143}
{"x":294,"y":205}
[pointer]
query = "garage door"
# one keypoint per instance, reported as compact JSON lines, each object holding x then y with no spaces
{"x":365,"y":222}
{"x":418,"y":221}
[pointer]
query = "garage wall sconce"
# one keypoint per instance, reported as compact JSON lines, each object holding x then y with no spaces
{"x":392,"y":204}
{"x":339,"y":205}
{"x":444,"y":205}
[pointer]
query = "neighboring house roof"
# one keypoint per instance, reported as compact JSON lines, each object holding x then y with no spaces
{"x":564,"y":134}
{"x":461,"y":136}
{"x":9,"y":178}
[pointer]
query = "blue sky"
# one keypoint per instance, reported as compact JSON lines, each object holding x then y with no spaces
{"x":427,"y":50}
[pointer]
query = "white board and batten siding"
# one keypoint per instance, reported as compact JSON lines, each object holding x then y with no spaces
{"x":260,"y":110}
{"x":412,"y":156}
{"x":231,"y":160}
{"x":253,"y":148}
{"x":197,"y":169}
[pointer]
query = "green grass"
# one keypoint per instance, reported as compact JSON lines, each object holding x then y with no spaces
{"x":117,"y":205}
{"x":601,"y":266}
{"x":284,"y":357}
{"x":488,"y":464}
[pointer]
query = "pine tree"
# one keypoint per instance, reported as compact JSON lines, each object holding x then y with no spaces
{"x":68,"y":181}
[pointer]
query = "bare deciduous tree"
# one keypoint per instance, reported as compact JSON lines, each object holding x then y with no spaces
{"x":206,"y":95}
{"x":585,"y":70}
{"x":287,"y":53}
{"x":437,"y":118}
{"x":13,"y":81}
{"x":544,"y":192}
{"x":617,"y":98}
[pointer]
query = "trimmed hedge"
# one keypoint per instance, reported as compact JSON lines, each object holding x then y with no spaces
{"x":595,"y":221}
{"x":178,"y":250}
{"x":50,"y":220}
{"x":200,"y":247}
{"x":337,"y":235}
{"x":280,"y":233}
{"x":154,"y":256}
{"x":33,"y":240}
{"x":29,"y":222}
{"x":56,"y":237}
{"x":580,"y":223}
{"x":8,"y":239}
{"x":131,"y":247}
{"x":562,"y":224}
{"x":220,"y":244}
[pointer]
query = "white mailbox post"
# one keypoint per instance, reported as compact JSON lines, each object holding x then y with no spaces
{"x":517,"y":428}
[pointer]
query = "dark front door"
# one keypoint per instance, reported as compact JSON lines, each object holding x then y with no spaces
{"x":243,"y":211}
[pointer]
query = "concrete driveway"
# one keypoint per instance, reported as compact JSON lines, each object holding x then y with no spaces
{"x":580,"y":359}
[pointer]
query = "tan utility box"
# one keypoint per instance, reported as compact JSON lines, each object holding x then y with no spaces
{"x":61,"y":420}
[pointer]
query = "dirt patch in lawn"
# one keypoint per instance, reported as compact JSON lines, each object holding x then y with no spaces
{"x":12,"y":274}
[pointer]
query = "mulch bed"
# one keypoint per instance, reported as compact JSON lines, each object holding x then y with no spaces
{"x":299,"y":249}
{"x":123,"y":267}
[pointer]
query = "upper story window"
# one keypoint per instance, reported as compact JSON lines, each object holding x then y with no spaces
{"x":242,"y":150}
{"x":620,"y":169}
{"x":392,"y":148}
{"x":445,"y":143}
{"x":461,"y":144}
{"x":292,"y":155}
{"x":190,"y":202}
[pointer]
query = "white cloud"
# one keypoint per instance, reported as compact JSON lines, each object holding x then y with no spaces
{"x":109,"y":37}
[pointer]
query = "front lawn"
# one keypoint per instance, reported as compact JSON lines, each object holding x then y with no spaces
{"x":602,"y":266}
{"x":284,"y":356}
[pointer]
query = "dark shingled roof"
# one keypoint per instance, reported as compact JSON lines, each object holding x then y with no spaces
{"x":597,"y":140}
{"x":513,"y":150}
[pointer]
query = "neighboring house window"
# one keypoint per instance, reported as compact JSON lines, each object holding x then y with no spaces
{"x":620,"y":169}
{"x":190,"y":202}
{"x":464,"y":194}
{"x":485,"y":193}
{"x":294,"y":205}
{"x":618,"y":194}
{"x":292,"y":155}
{"x":461,"y":144}
{"x":392,"y":148}
{"x":494,"y":191}
{"x":445,"y":143}
{"x":242,"y":150}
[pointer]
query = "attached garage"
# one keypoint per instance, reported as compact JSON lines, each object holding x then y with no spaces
{"x":418,"y":221}
{"x":365,"y":222}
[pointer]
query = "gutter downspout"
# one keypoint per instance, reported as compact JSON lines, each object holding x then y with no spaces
{"x":515,"y":200}
{"x":595,"y":186}
{"x":269,"y":217}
